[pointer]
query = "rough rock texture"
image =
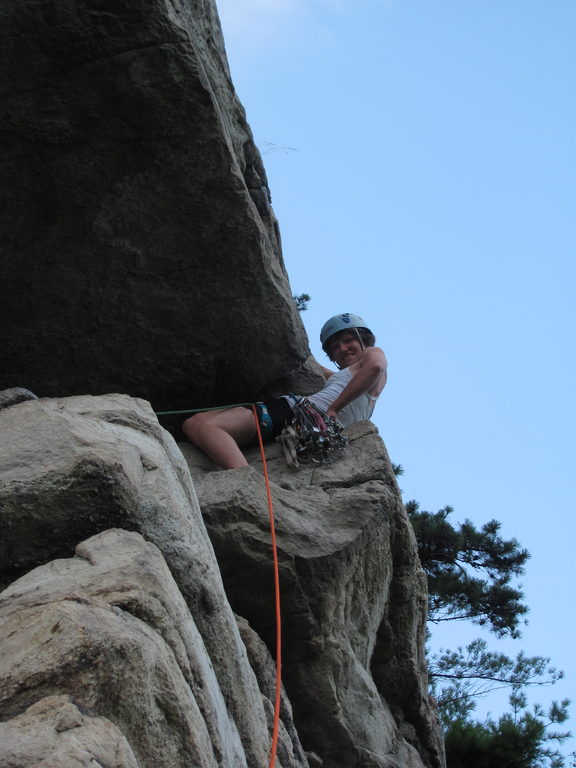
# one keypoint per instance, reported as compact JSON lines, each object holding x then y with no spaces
{"x":133,"y":624}
{"x":353,"y":597}
{"x":140,"y":253}
{"x":70,"y":468}
{"x":54,"y":733}
{"x":110,"y":629}
{"x":289,"y":750}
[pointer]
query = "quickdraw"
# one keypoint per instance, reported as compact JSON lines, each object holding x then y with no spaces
{"x":312,"y":436}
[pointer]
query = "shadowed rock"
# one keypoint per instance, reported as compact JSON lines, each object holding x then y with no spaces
{"x":140,"y":252}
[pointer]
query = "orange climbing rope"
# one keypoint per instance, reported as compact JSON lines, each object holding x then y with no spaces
{"x":276,"y":572}
{"x":277,"y":598}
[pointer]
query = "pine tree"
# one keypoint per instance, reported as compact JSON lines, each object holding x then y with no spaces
{"x":459,"y":677}
{"x":469,"y":571}
{"x":470,"y":575}
{"x":301,"y":301}
{"x":518,"y":739}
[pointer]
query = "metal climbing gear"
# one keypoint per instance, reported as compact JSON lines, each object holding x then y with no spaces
{"x":312,"y":436}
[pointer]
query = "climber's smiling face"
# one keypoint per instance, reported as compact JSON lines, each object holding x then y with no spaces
{"x":346,"y":349}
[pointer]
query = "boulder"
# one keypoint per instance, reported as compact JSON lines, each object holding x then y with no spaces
{"x":353,"y":596}
{"x":110,"y":630}
{"x":115,"y":599}
{"x":140,"y":250}
{"x":73,"y":467}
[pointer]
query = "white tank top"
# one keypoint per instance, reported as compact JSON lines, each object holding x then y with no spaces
{"x":359,"y":409}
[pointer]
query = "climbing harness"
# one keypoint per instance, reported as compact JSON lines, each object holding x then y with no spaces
{"x":312,"y":436}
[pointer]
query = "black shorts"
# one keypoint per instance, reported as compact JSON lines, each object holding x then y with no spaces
{"x":273,"y":415}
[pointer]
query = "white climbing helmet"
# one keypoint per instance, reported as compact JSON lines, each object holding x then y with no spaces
{"x":340,"y":323}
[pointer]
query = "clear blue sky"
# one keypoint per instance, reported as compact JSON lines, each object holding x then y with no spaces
{"x":422,"y":162}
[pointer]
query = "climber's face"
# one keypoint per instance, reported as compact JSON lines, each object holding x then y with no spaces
{"x":346,"y":349}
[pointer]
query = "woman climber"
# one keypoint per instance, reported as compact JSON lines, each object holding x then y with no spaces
{"x":349,"y":395}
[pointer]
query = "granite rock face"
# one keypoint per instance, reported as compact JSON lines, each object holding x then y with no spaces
{"x":353,"y":596}
{"x":54,"y":733}
{"x":110,"y":630}
{"x":141,"y":255}
{"x":115,"y":619}
{"x":72,"y":468}
{"x":140,"y":252}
